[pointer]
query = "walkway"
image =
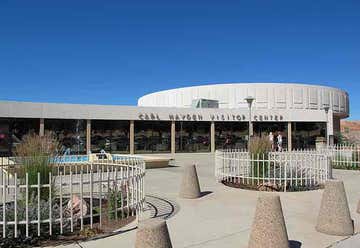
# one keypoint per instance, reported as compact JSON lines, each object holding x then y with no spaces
{"x":223,"y":216}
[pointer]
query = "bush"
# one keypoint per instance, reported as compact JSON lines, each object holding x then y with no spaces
{"x":33,"y":215}
{"x":35,"y":153}
{"x":259,"y":145}
{"x":259,"y":149}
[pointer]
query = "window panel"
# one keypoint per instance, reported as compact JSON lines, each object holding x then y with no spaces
{"x":152,"y":136}
{"x":192,"y":136}
{"x":231,"y":135}
{"x":70,"y":133}
{"x":110,"y":135}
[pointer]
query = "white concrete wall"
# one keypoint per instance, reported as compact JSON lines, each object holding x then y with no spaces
{"x":281,"y":96}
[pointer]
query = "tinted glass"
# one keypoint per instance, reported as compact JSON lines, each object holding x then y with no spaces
{"x":192,"y":136}
{"x":231,"y":135}
{"x":110,"y":136}
{"x":70,"y":133}
{"x":12,"y":132}
{"x":276,"y":128}
{"x":304,"y":134}
{"x":152,"y":136}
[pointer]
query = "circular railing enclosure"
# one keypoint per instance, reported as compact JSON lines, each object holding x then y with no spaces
{"x":274,"y":171}
{"x":78,"y":193}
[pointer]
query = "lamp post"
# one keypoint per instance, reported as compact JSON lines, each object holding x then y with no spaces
{"x":326,"y":108}
{"x":250,"y":100}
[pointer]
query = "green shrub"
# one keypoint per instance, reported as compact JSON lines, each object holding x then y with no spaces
{"x":114,"y":203}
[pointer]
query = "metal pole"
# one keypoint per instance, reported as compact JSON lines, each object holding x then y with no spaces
{"x":250,"y":123}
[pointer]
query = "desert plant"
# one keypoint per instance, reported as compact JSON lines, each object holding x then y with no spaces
{"x":35,"y":154}
{"x":32,"y":210}
{"x":259,"y":145}
{"x":115,"y":203}
{"x":259,"y":149}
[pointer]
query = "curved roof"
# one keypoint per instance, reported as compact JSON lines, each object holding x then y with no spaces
{"x":267,"y":96}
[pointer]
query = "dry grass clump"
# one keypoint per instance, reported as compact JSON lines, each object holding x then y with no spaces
{"x":35,"y":154}
{"x":259,"y":145}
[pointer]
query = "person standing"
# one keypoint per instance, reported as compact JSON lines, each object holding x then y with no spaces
{"x":271,"y":139}
{"x":279,"y":142}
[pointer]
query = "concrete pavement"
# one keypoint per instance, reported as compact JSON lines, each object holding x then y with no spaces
{"x":223,"y":216}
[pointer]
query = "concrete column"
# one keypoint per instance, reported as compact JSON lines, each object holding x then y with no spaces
{"x":289,"y":136}
{"x":88,"y":136}
{"x":173,"y":136}
{"x":42,"y":127}
{"x":132,"y":137}
{"x":212,"y":136}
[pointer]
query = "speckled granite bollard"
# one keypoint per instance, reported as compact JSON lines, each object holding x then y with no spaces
{"x":190,"y":187}
{"x":268,"y":228}
{"x":334,"y":216}
{"x":153,"y":233}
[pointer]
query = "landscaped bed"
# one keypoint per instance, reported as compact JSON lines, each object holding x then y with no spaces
{"x":268,"y":186}
{"x":43,"y":201}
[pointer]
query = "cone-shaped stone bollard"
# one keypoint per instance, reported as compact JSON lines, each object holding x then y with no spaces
{"x":153,"y":233}
{"x":268,"y":228}
{"x":334,"y":216}
{"x":190,"y":187}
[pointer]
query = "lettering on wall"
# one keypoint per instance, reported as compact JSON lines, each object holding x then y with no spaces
{"x":268,"y":118}
{"x":223,"y":117}
{"x":148,"y":117}
{"x":212,"y":117}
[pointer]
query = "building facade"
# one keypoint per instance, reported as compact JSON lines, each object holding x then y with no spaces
{"x":191,"y":119}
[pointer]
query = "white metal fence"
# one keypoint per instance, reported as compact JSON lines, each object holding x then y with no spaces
{"x":293,"y":170}
{"x":77,"y":193}
{"x":344,"y":156}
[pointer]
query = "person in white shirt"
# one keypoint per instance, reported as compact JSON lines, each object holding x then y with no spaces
{"x":271,"y":139}
{"x":279,"y":142}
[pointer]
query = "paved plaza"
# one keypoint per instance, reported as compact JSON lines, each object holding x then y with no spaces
{"x":222,"y":217}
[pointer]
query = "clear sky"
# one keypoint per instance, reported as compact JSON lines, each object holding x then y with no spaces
{"x":112,"y":52}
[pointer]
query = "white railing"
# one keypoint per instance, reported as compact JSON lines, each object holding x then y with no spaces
{"x":296,"y":170}
{"x":75,"y":195}
{"x":344,"y":156}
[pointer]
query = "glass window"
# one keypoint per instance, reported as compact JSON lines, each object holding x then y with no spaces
{"x":12,"y":132}
{"x":264,"y":129}
{"x":192,"y":136}
{"x":152,"y":136}
{"x":5,"y":143}
{"x":231,"y":135}
{"x":304,"y":134}
{"x":110,"y":136}
{"x":70,"y":133}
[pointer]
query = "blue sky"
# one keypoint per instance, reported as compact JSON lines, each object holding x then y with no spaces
{"x":112,"y":52}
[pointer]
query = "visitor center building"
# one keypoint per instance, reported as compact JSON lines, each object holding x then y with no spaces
{"x":191,"y":119}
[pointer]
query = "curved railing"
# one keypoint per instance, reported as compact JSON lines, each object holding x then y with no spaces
{"x":295,"y":170}
{"x":75,"y":194}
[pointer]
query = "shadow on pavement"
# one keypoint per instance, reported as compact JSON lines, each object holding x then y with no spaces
{"x":205,"y":193}
{"x":294,"y":244}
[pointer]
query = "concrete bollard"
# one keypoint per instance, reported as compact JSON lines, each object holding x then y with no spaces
{"x":153,"y":233}
{"x":334,"y":216}
{"x":268,"y":228}
{"x":190,"y":187}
